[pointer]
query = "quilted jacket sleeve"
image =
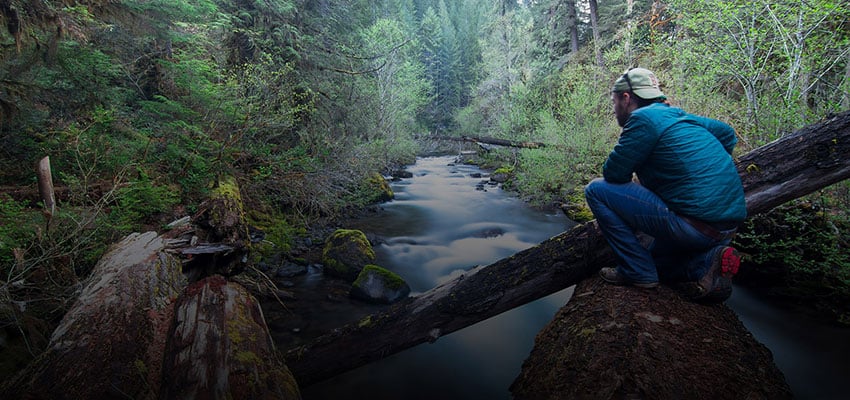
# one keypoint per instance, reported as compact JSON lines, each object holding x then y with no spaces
{"x":634,"y":147}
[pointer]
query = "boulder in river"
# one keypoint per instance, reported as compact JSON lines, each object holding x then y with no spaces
{"x":379,"y":285}
{"x":346,"y":252}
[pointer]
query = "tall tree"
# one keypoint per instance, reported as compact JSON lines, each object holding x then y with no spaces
{"x":597,"y":35}
{"x":432,"y":43}
{"x":398,"y":89}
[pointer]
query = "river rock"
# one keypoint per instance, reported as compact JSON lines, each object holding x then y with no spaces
{"x":379,"y":285}
{"x":346,"y":252}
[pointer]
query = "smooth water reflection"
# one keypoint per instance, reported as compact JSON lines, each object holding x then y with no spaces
{"x":443,"y":222}
{"x":813,"y":356}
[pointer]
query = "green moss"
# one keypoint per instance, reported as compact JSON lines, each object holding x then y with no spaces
{"x":378,"y":188}
{"x":279,"y":232}
{"x":576,"y":208}
{"x":140,"y":367}
{"x":235,"y":325}
{"x":346,"y":252}
{"x":228,"y":188}
{"x":248,"y":357}
{"x":391,"y":280}
{"x":504,"y":170}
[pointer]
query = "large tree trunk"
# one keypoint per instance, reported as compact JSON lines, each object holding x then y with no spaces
{"x":613,"y":342}
{"x":793,"y":166}
{"x":116,"y":328}
{"x":219,"y":347}
{"x":129,"y":335}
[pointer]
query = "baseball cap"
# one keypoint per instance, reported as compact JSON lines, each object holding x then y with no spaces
{"x":640,"y":81}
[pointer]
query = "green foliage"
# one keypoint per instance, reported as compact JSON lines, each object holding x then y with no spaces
{"x":142,"y":201}
{"x":783,"y":60}
{"x":13,"y":233}
{"x":562,"y":112}
{"x":802,"y":235}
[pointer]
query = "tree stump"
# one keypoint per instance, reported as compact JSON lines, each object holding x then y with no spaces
{"x":615,"y":342}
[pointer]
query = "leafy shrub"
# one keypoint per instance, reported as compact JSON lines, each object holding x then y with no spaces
{"x":805,"y":245}
{"x":13,"y":233}
{"x":141,"y":201}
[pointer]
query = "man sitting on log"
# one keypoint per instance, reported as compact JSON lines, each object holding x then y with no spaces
{"x":674,"y":222}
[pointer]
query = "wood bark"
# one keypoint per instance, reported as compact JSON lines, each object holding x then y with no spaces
{"x":219,"y":347}
{"x":116,"y":328}
{"x":614,"y":342}
{"x":796,"y":165}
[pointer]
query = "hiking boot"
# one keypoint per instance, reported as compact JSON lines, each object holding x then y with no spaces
{"x":613,"y":276}
{"x":716,"y":285}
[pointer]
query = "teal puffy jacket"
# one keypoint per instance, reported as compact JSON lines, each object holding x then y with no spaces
{"x":683,"y":158}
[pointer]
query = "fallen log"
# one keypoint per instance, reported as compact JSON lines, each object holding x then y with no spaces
{"x":134,"y":332}
{"x":791,"y":167}
{"x":493,"y":141}
{"x":116,"y":328}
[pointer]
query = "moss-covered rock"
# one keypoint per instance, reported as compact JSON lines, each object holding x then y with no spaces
{"x":379,"y":285}
{"x":502,"y":174}
{"x":346,"y":252}
{"x":380,"y":190}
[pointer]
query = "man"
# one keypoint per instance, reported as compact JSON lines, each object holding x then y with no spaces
{"x":672,"y":224}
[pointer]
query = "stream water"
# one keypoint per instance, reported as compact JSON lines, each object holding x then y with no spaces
{"x":447,"y":219}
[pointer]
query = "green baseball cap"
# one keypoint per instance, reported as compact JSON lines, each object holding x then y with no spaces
{"x":640,"y":81}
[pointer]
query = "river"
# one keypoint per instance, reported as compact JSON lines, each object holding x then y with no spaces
{"x":446,"y":219}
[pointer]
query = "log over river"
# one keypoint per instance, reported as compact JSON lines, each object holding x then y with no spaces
{"x":447,"y":219}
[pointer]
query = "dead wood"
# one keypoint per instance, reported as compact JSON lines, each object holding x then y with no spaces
{"x":112,"y":343}
{"x":219,"y":347}
{"x":612,"y":342}
{"x":45,"y":186}
{"x":493,"y":141}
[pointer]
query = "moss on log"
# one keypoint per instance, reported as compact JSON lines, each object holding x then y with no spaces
{"x":613,"y":342}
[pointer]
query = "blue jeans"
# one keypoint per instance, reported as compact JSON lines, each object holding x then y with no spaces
{"x":674,"y":250}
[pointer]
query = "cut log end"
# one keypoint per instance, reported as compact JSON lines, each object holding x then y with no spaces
{"x":625,"y":342}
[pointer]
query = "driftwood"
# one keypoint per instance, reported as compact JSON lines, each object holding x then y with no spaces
{"x":138,"y":331}
{"x":796,"y":165}
{"x":493,"y":141}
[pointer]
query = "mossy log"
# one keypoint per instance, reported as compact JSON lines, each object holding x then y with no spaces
{"x":612,"y":342}
{"x":112,"y":342}
{"x":493,"y":141}
{"x":222,"y":236}
{"x":219,"y":347}
{"x":798,"y":164}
